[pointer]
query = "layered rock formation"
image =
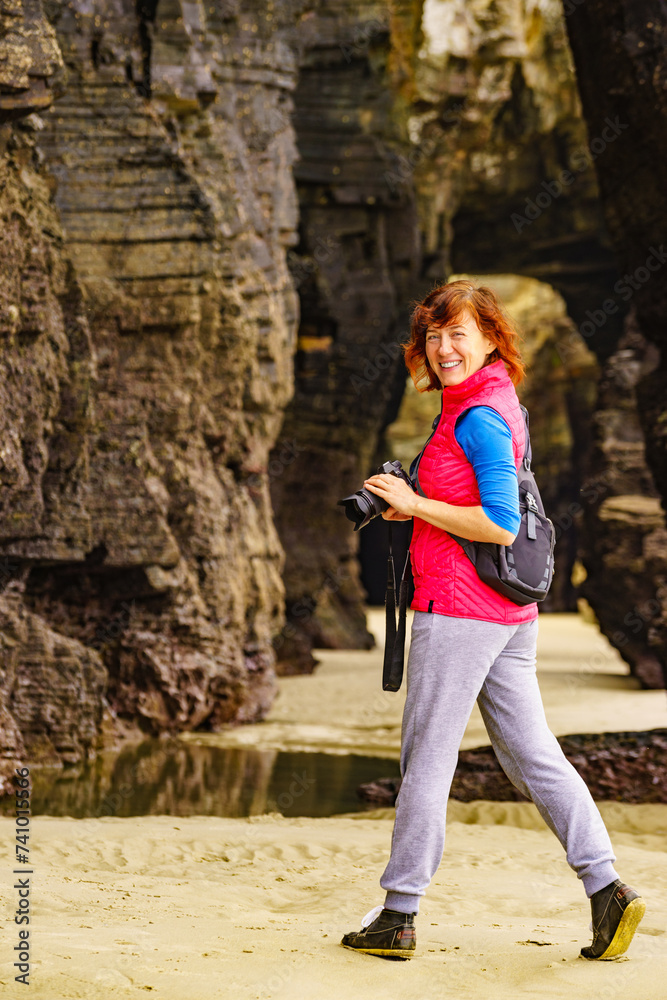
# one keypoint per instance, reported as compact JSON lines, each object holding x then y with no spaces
{"x":502,"y":89}
{"x":177,"y":211}
{"x":151,"y":322}
{"x":355,"y":267}
{"x":30,"y":60}
{"x":51,"y":685}
{"x":622,"y":76}
{"x":624,"y":544}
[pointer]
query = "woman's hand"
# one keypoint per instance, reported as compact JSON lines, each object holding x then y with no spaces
{"x":396,"y":493}
{"x":391,"y":514}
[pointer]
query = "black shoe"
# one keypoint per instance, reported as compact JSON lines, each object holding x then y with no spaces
{"x":391,"y":934}
{"x":617,"y":910}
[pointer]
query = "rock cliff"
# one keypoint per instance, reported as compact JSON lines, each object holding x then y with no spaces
{"x":620,"y":52}
{"x":51,"y":685}
{"x":355,"y":267}
{"x":150,"y":321}
{"x":624,"y":542}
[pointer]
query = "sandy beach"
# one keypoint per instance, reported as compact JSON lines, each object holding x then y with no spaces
{"x":254,"y":909}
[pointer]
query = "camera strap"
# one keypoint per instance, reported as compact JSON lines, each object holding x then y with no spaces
{"x":394,"y":649}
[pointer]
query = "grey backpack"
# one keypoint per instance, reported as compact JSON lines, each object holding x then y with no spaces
{"x":522,"y":571}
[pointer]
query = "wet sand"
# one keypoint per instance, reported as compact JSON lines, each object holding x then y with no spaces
{"x":253,"y":909}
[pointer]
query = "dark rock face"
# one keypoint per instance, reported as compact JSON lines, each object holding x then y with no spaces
{"x":624,"y":541}
{"x":51,"y":686}
{"x":52,"y":690}
{"x":625,"y":767}
{"x":355,"y":268}
{"x":177,"y":213}
{"x":620,"y":52}
{"x":149,"y":320}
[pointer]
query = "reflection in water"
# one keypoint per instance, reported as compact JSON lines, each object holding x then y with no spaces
{"x":183,"y":779}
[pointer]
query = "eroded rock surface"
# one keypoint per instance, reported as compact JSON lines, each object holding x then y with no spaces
{"x":624,"y":541}
{"x":355,"y":267}
{"x":620,"y":52}
{"x":150,"y":321}
{"x":617,"y":767}
{"x":172,"y":152}
{"x":51,"y":686}
{"x":30,"y":59}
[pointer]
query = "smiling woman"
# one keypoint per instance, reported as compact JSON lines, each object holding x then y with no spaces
{"x":453,"y":311}
{"x":469,"y":642}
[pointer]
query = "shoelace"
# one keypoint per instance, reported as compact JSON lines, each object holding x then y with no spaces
{"x":371,"y":915}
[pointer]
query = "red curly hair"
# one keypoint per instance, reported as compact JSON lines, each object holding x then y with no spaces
{"x":446,"y":304}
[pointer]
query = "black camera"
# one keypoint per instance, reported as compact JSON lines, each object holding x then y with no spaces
{"x":362,"y":506}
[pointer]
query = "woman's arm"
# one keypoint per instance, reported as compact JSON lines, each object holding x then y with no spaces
{"x":468,"y":522}
{"x":487,"y":443}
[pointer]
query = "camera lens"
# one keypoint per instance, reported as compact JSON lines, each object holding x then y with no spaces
{"x":361,"y":507}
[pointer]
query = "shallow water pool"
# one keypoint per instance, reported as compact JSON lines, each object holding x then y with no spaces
{"x":182,"y":779}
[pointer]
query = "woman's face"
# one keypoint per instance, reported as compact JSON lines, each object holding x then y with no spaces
{"x":458,"y":350}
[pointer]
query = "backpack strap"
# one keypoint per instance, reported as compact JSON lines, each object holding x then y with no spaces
{"x":531,"y":524}
{"x":527,"y":450}
{"x":471,"y":549}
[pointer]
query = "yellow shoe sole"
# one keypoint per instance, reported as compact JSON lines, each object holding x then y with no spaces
{"x":629,"y":922}
{"x":384,"y":952}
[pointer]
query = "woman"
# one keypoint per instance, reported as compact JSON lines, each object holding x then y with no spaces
{"x":469,"y":642}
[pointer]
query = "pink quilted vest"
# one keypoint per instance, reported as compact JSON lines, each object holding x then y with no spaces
{"x":446,"y":582}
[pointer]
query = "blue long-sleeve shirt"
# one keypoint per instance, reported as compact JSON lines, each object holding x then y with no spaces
{"x":487,"y":444}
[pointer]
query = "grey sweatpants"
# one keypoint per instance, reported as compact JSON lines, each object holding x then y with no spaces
{"x":452,"y":663}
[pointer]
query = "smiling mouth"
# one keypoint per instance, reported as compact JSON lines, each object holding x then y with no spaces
{"x":449,"y":364}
